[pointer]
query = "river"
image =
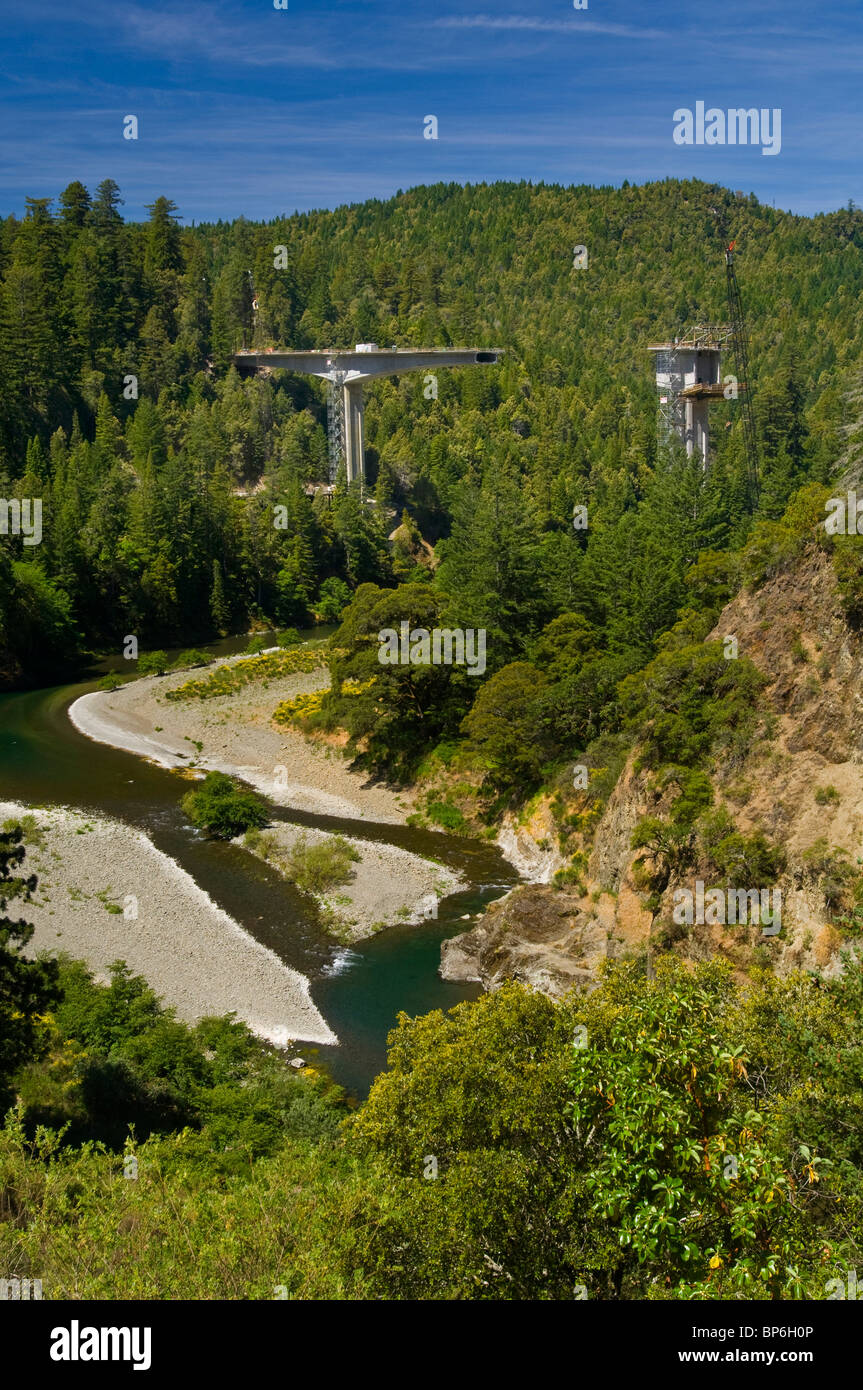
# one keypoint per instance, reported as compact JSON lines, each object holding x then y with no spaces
{"x":360,"y":990}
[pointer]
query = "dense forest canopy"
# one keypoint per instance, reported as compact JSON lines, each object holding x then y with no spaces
{"x":160,"y":471}
{"x":159,"y":468}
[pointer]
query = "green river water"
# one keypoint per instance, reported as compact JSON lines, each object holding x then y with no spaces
{"x":359,"y":991}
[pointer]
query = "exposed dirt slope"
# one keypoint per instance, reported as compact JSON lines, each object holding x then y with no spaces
{"x":802,"y":786}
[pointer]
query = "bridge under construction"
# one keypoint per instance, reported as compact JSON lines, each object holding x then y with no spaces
{"x":347,"y":372}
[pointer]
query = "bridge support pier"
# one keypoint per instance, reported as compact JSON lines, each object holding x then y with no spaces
{"x":354,"y":440}
{"x":350,"y":371}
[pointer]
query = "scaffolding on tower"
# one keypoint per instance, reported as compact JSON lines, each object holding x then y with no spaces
{"x":687,"y":379}
{"x":336,"y":423}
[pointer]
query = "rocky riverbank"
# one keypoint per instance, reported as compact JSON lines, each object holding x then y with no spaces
{"x":106,"y":893}
{"x":536,"y":934}
{"x":234,"y":733}
{"x":386,"y":884}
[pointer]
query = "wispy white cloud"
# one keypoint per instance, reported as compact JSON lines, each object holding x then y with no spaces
{"x":527,"y":24}
{"x":244,"y":108}
{"x":199,"y":30}
{"x":230,"y":39}
{"x":820,"y":53}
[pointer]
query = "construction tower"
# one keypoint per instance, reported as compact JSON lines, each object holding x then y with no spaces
{"x":688,"y":378}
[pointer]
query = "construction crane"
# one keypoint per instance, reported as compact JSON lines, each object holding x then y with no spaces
{"x":741,"y":359}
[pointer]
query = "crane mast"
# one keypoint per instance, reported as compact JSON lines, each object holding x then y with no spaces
{"x":741,"y":359}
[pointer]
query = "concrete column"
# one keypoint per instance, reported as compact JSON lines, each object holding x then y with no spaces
{"x":696,"y":429}
{"x":365,"y":364}
{"x":689,"y":427}
{"x":354,"y":442}
{"x":701,"y":428}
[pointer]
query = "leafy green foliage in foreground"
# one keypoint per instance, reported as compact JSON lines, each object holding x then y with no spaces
{"x":26,"y":987}
{"x":514,"y":1148}
{"x":223,"y":808}
{"x":118,"y":1061}
{"x":146,"y":1158}
{"x":606,"y":1165}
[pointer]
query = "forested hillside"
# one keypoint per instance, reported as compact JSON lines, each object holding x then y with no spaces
{"x":158,"y":510}
{"x":706,"y":1144}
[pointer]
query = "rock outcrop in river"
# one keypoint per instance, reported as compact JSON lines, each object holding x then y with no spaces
{"x":537,"y":935}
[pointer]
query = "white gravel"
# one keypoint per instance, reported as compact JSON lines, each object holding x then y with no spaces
{"x":387,"y":884}
{"x":390,"y":885}
{"x":192,"y":953}
{"x":239,"y":738}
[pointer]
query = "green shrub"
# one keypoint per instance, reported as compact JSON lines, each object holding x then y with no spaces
{"x":152,"y":663}
{"x":31,"y":831}
{"x":193,"y":657}
{"x":569,"y":1178}
{"x":255,"y":646}
{"x":748,"y":858}
{"x":112,"y":681}
{"x":289,"y":638}
{"x":259,"y":843}
{"x":119,"y":1058}
{"x":691,"y":705}
{"x":827,"y":796}
{"x":774,"y":545}
{"x":837,"y":880}
{"x":223,"y":808}
{"x":442,"y":813}
{"x":108,"y":903}
{"x":333,"y":599}
{"x":316,"y":868}
{"x":572,"y":874}
{"x":505,"y":727}
{"x":848,"y":565}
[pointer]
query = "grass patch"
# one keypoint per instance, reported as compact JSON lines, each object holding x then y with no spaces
{"x":192,"y":657}
{"x":153,"y":663}
{"x":445,"y":814}
{"x":317,"y":868}
{"x":261,"y":842}
{"x":108,"y":903}
{"x":31,"y":832}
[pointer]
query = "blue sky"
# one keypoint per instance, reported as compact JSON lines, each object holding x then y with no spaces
{"x":243,"y":108}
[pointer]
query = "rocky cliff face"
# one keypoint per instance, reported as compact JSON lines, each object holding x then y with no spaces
{"x":530,"y":842}
{"x":802,"y":786}
{"x":537,"y":935}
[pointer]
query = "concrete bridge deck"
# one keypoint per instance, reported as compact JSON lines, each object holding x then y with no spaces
{"x":348,"y":370}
